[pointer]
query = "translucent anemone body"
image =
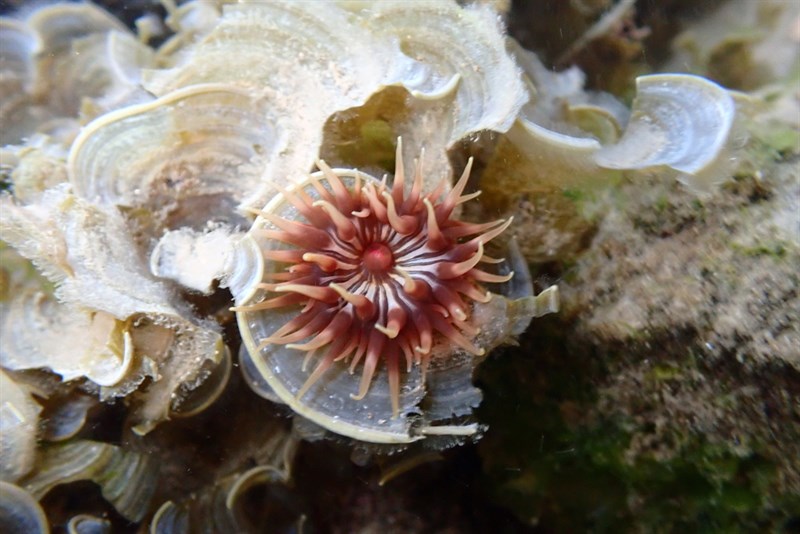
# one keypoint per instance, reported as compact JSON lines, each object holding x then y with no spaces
{"x":381,"y":275}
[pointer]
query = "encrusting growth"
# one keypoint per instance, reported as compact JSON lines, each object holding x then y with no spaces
{"x":381,"y":274}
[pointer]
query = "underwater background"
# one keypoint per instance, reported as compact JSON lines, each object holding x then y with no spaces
{"x":663,"y":396}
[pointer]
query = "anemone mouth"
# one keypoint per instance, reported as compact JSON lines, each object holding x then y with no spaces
{"x":381,"y":274}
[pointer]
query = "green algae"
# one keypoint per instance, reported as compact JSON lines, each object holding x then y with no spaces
{"x":561,"y":471}
{"x":775,"y":249}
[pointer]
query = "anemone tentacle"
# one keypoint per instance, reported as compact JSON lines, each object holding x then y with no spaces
{"x":383,"y":275}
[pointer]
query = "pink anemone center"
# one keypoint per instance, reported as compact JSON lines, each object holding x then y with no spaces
{"x":378,"y":258}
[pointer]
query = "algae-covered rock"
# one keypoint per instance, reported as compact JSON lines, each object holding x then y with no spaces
{"x":665,"y":395}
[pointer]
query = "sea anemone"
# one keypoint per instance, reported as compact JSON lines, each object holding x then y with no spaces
{"x":381,"y":273}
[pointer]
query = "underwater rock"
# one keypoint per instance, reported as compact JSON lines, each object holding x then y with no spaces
{"x":681,"y":369}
